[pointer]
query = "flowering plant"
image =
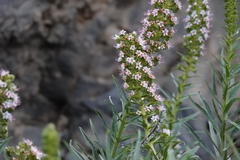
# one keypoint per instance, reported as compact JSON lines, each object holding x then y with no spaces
{"x":154,"y":116}
{"x":9,"y":100}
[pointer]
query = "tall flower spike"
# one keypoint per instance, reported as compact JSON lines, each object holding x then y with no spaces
{"x":8,"y":102}
{"x":137,"y":60}
{"x":158,"y":25}
{"x":197,"y":27}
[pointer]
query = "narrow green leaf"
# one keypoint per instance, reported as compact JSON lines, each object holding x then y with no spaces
{"x":83,"y":151}
{"x":214,"y":96}
{"x":3,"y":144}
{"x":216,"y":111}
{"x":214,"y":139}
{"x":123,"y":96}
{"x":164,"y":93}
{"x":190,"y":117}
{"x":102,"y":158}
{"x":236,"y":45}
{"x":76,"y":153}
{"x":234,"y":89}
{"x":214,"y":88}
{"x":114,"y":128}
{"x":174,"y":80}
{"x":137,"y":147}
{"x":94,"y":130}
{"x":234,"y":113}
{"x":191,"y":85}
{"x":235,"y":150}
{"x":171,"y":155}
{"x":189,"y":154}
{"x":104,"y":122}
{"x":229,"y":104}
{"x":223,"y":53}
{"x":235,"y":69}
{"x":112,"y":105}
{"x":234,"y":124}
{"x":202,"y":110}
{"x":127,"y":137}
{"x":108,"y":148}
{"x":199,"y":139}
{"x":209,"y":136}
{"x":94,"y":150}
{"x":209,"y":111}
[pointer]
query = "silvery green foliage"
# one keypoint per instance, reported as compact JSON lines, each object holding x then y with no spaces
{"x":222,"y":127}
{"x":158,"y":137}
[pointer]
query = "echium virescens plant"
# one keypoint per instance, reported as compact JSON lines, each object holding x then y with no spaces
{"x":9,"y":100}
{"x":223,"y":127}
{"x":198,"y":28}
{"x":138,"y":57}
{"x":143,"y":107}
{"x":24,"y":151}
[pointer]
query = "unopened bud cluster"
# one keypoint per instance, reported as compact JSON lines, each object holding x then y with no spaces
{"x":24,"y":151}
{"x":197,"y":27}
{"x":137,"y":58}
{"x":8,"y":102}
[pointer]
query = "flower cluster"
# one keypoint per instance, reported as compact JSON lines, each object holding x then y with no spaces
{"x":138,"y":56}
{"x":24,"y":150}
{"x":197,"y":26}
{"x":9,"y":100}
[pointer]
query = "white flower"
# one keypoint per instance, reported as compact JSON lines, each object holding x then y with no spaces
{"x":155,"y":118}
{"x":138,"y":112}
{"x":167,"y":131}
{"x":3,"y":73}
{"x":8,"y":116}
{"x":3,"y":84}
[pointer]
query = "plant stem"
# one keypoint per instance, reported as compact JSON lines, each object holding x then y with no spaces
{"x":120,"y":131}
{"x":153,"y":150}
{"x":230,"y":20}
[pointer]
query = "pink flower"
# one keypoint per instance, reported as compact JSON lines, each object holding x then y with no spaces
{"x":115,"y":37}
{"x":158,"y":98}
{"x":167,"y":131}
{"x":144,"y":84}
{"x":161,"y":108}
{"x":160,"y":24}
{"x":3,"y":84}
{"x":165,"y":32}
{"x":130,"y":60}
{"x":133,"y":47}
{"x":174,"y":19}
{"x":125,"y":85}
{"x":3,"y":73}
{"x":28,"y":142}
{"x":38,"y":153}
{"x":122,"y":32}
{"x":155,"y":118}
{"x":138,"y":112}
{"x":155,"y":12}
{"x":138,"y":65}
{"x":8,"y":116}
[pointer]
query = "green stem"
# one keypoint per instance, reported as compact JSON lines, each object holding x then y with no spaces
{"x":120,"y":131}
{"x":230,"y":20}
{"x":153,"y":151}
{"x":178,"y":101}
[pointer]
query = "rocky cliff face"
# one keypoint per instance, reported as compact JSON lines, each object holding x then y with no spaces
{"x":62,"y":55}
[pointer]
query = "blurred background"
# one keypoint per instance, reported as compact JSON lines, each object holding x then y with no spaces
{"x":62,"y":55}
